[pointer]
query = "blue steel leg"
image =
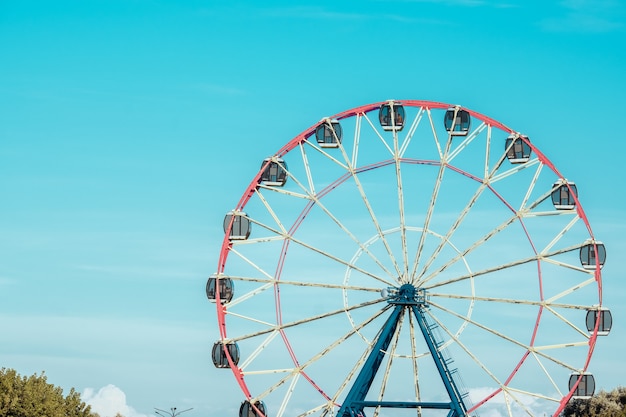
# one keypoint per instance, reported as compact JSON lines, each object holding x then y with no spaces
{"x":457,"y":407}
{"x":364,"y":380}
{"x":407,"y":297}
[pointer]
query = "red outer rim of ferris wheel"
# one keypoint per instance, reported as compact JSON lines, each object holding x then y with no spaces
{"x":303,"y":136}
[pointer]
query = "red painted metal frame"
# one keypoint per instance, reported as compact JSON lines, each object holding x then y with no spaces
{"x":303,"y":136}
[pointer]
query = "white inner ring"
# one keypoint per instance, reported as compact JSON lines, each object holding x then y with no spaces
{"x":359,"y":252}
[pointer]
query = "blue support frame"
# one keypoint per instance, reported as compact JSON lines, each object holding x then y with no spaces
{"x":405,"y":298}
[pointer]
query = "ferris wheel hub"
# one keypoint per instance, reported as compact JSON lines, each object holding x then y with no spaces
{"x":407,"y":294}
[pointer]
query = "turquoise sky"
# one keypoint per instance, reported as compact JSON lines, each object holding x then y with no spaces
{"x":129,"y":128}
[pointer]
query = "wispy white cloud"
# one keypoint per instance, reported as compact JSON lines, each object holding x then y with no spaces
{"x":497,"y":406}
{"x":587,"y":16}
{"x":590,"y":4}
{"x":466,"y":3}
{"x":311,"y":12}
{"x":108,"y":401}
{"x":6,"y":281}
{"x":580,"y":22}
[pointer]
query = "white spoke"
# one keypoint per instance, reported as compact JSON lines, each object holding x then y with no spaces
{"x":513,"y":171}
{"x":432,"y":127}
{"x":405,"y":254}
{"x":370,"y":210}
{"x":487,"y":151}
{"x":271,"y":212}
{"x":550,"y":308}
{"x":361,"y":360}
{"x":315,"y":199}
{"x":507,"y":338}
{"x":482,"y":187}
{"x":274,"y":327}
{"x":531,"y":186}
{"x":326,"y":154}
{"x":378,"y":134}
{"x":287,"y":397}
{"x":555,"y":386}
{"x":510,"y":301}
{"x":465,"y":349}
{"x":450,"y":232}
{"x":303,"y":284}
{"x":411,"y":132}
{"x":476,"y":244}
{"x":468,"y":139}
{"x":258,"y":350}
{"x":431,"y":207}
{"x":362,"y":246}
{"x":327,"y":405}
{"x":282,"y":191}
{"x":250,"y":319}
{"x":253,"y":241}
{"x":307,"y":170}
{"x":561,"y":234}
{"x":357,"y":139}
{"x":416,"y":384}
{"x":473,"y":247}
{"x":510,"y":392}
{"x":571,"y":290}
{"x":328,"y":255}
{"x":496,"y":268}
{"x":390,"y":357}
{"x":463,"y":214}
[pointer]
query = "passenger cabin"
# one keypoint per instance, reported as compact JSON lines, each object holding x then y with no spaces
{"x":224,"y":285}
{"x":584,"y":388}
{"x":592,"y":253}
{"x":274,"y":172}
{"x":517,"y":150}
{"x":219,"y":354}
{"x":603,"y":318}
{"x":328,"y":133}
{"x":240,"y":226}
{"x":391,"y":116}
{"x":563,"y":195}
{"x":457,"y":121}
{"x":246,"y":409}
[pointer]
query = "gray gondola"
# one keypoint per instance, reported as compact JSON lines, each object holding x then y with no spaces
{"x":225,"y":286}
{"x":218,"y":354}
{"x":246,"y":409}
{"x":592,"y":253}
{"x":563,"y":195}
{"x":602,"y":317}
{"x":391,"y":116}
{"x":584,"y":388}
{"x":328,"y":133}
{"x":241,"y":226}
{"x":457,"y":121}
{"x":517,"y":150}
{"x":274,"y":172}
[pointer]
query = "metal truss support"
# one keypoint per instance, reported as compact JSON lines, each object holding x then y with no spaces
{"x":405,"y":298}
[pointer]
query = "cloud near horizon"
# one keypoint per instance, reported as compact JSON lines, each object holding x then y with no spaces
{"x":108,"y":401}
{"x":497,"y":406}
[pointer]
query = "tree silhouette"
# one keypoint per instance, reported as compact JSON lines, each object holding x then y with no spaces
{"x":604,"y":404}
{"x":33,"y":396}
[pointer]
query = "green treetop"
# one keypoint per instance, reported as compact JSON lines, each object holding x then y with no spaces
{"x":33,"y":396}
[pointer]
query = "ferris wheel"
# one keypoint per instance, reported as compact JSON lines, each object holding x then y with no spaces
{"x":408,"y":258}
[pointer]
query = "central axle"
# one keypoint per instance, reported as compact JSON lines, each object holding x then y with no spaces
{"x":407,"y":294}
